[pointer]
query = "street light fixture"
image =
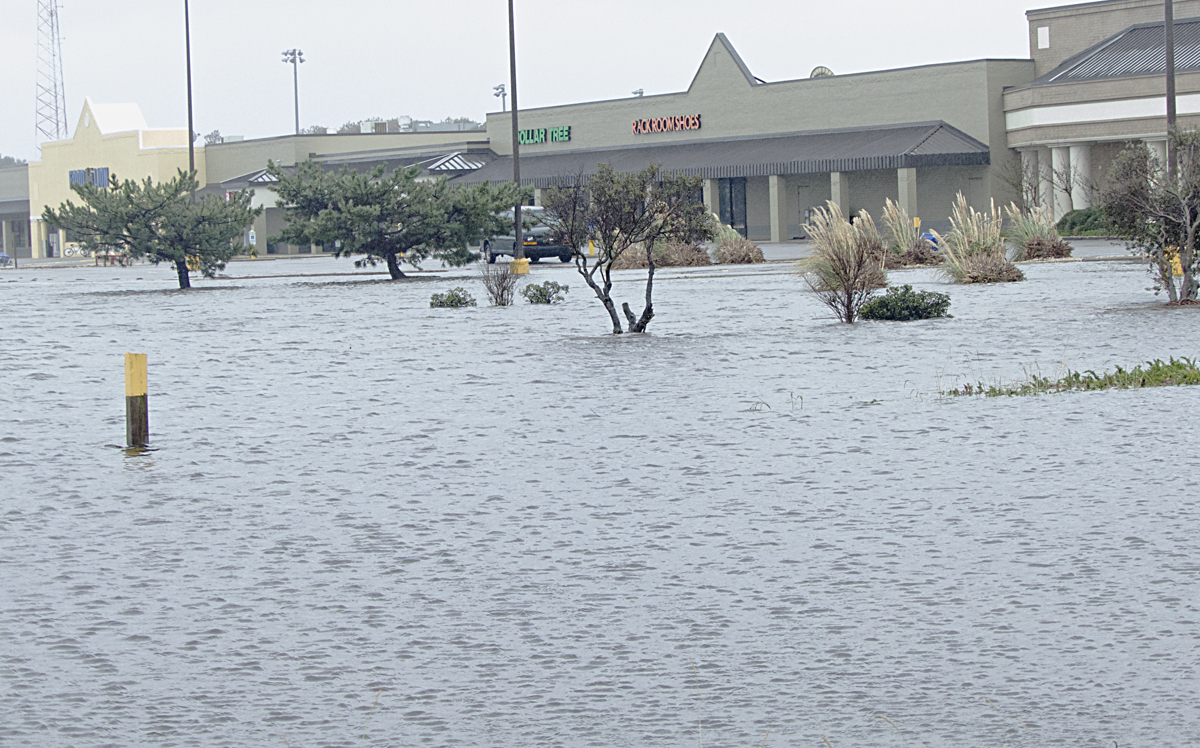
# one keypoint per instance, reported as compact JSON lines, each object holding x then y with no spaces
{"x":295,"y":57}
{"x":501,"y":93}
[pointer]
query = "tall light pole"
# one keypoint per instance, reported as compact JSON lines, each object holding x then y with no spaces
{"x":1169,"y":39}
{"x":519,"y":243}
{"x":187,"y":41}
{"x":500,"y":94}
{"x":295,"y":57}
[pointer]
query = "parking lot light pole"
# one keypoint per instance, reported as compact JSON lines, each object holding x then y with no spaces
{"x":295,"y":57}
{"x":519,"y":243}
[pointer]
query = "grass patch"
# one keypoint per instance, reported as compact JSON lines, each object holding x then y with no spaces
{"x":1154,"y":373}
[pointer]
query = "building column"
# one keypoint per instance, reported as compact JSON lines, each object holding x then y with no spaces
{"x":778,"y":203}
{"x":711,"y":197}
{"x":906,"y":181}
{"x":537,"y":196}
{"x":839,"y":191}
{"x":1159,"y":149}
{"x":1060,"y":161}
{"x":1029,"y":175}
{"x":1045,"y":182}
{"x":1081,"y":172}
{"x":6,"y":238}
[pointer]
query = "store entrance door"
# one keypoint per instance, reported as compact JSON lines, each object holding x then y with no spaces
{"x":732,"y":202}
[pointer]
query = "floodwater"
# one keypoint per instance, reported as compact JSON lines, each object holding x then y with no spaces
{"x":367,"y":522}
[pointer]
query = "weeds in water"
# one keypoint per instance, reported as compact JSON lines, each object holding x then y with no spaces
{"x":1156,"y":373}
{"x":500,"y":282}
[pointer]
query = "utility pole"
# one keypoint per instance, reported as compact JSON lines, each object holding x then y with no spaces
{"x":295,"y":57}
{"x":1169,"y":34}
{"x":519,"y":244}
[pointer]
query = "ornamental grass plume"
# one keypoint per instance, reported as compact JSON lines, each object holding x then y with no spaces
{"x":846,"y":265}
{"x":906,"y":245}
{"x":974,"y":250}
{"x":1033,"y":234}
{"x":735,"y":249}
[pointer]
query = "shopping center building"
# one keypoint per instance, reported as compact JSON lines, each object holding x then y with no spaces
{"x":768,"y":152}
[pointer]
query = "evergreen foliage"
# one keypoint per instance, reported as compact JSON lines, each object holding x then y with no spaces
{"x":453,"y":299}
{"x":904,"y":304}
{"x":158,"y":222}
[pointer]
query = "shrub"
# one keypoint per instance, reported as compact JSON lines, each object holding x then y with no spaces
{"x":500,"y":282}
{"x":1033,"y":234}
{"x":632,"y":258}
{"x":455,"y":297}
{"x":735,"y":249}
{"x":905,"y":304}
{"x":974,"y":250}
{"x":544,"y":293}
{"x":906,"y":244}
{"x":847,"y":261}
{"x":1089,"y":222}
{"x":675,"y":254}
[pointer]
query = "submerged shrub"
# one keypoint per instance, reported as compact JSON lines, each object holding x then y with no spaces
{"x":544,"y":293}
{"x":1033,"y":234}
{"x":905,"y":304}
{"x":500,"y":282}
{"x":735,"y":249}
{"x":974,"y":250}
{"x":906,"y":245}
{"x":675,"y":254}
{"x":847,"y":260}
{"x":455,"y":297}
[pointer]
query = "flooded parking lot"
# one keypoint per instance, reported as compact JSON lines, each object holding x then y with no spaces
{"x":370,"y":522}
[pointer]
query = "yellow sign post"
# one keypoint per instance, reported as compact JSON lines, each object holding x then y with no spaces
{"x":137,"y":414}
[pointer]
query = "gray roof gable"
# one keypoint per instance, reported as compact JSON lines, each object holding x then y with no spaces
{"x":1138,"y":50}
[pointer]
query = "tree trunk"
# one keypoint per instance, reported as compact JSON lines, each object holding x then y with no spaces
{"x":181,"y":269}
{"x":393,"y":265}
{"x":639,"y":325}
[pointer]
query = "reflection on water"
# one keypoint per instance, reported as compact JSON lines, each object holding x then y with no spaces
{"x":518,"y":530}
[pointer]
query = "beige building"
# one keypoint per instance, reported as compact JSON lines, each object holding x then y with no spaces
{"x":768,"y":152}
{"x":110,"y":139}
{"x":1100,"y":84}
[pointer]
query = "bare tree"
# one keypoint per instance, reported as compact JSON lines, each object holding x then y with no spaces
{"x":1160,"y":212}
{"x":500,"y":282}
{"x":1022,"y":181}
{"x":619,"y":213}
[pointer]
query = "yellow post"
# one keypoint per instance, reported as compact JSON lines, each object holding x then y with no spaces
{"x":917,"y":223}
{"x":1176,"y":265}
{"x":137,"y":415}
{"x":521,"y":266}
{"x":591,"y":248}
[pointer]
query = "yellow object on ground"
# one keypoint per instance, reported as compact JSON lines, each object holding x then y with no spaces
{"x":521,"y":266}
{"x":1172,"y":254}
{"x":135,"y":374}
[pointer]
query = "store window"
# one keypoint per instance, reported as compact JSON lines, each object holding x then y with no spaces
{"x":731,"y":200}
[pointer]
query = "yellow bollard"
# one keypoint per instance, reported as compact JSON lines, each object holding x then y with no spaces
{"x":137,"y":415}
{"x":591,"y":248}
{"x":521,"y":266}
{"x":1172,"y":254}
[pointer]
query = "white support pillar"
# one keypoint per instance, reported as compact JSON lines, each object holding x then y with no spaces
{"x":6,"y":238}
{"x":537,"y":196}
{"x":1081,"y":172}
{"x":1045,"y":182}
{"x":839,"y":191}
{"x":906,"y":182}
{"x":1159,"y":149}
{"x":778,"y":203}
{"x":711,"y":198}
{"x":1030,"y":178}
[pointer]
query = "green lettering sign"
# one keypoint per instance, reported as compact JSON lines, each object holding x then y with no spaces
{"x":544,"y":135}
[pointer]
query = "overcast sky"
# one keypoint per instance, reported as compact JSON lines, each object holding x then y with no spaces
{"x":432,"y":60}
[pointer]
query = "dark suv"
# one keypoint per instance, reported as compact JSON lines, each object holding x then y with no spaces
{"x":536,"y":238}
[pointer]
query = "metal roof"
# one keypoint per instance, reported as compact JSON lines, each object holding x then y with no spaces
{"x":1138,"y":50}
{"x":918,"y":144}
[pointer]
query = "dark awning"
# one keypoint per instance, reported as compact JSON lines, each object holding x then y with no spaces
{"x":920,"y":144}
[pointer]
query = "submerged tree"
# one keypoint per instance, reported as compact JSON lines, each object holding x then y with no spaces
{"x":1159,"y":212}
{"x":158,"y":222}
{"x":620,"y":213}
{"x":391,"y":218}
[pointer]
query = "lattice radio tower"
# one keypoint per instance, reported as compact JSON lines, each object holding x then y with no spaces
{"x":51,"y":97}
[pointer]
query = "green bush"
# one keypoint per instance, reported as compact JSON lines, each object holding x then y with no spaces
{"x":544,"y":293}
{"x":1090,"y":222}
{"x":905,"y":304}
{"x":453,"y":298}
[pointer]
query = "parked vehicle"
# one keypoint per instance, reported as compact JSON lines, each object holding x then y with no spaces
{"x":535,"y":237}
